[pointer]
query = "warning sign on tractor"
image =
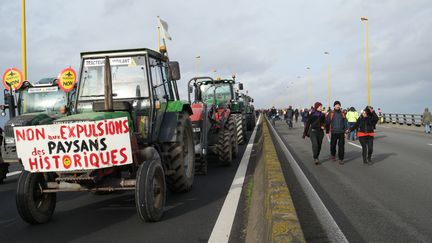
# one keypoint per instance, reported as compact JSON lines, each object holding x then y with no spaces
{"x":67,"y":79}
{"x":12,"y":78}
{"x":74,"y":146}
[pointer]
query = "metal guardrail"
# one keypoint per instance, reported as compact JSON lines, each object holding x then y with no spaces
{"x":402,"y":119}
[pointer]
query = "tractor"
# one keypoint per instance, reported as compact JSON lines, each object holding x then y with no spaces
{"x":38,"y":103}
{"x":139,"y":88}
{"x":214,"y":123}
{"x":249,"y":111}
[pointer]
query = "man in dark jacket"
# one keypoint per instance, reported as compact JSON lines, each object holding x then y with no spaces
{"x":337,"y":125}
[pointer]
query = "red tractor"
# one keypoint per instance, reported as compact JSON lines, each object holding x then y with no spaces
{"x":213,"y":122}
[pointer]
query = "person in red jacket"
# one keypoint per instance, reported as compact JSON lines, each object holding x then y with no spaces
{"x":366,"y":125}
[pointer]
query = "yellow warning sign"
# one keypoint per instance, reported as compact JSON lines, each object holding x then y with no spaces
{"x":67,"y":79}
{"x":12,"y":78}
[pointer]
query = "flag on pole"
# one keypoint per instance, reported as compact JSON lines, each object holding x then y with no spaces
{"x":164,"y":26}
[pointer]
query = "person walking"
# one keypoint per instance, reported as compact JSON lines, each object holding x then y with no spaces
{"x":314,"y":129}
{"x":352,"y":117}
{"x":289,"y":117}
{"x":365,"y":125}
{"x":296,"y":115}
{"x":304,"y":116}
{"x":426,"y":120}
{"x":337,"y":125}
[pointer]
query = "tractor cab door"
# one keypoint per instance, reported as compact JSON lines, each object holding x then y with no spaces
{"x":162,"y":93}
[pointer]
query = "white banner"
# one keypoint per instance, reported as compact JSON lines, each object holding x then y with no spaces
{"x":74,"y":146}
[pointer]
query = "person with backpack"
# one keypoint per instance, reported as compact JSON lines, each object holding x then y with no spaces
{"x":366,"y":125}
{"x":337,"y":125}
{"x":314,"y":129}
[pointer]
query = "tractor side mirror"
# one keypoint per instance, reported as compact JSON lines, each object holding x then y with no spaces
{"x":252,"y":100}
{"x":174,"y":70}
{"x":240,"y":86}
{"x":6,"y":97}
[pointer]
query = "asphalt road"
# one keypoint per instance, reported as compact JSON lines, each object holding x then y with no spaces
{"x":390,"y":201}
{"x":84,"y":217}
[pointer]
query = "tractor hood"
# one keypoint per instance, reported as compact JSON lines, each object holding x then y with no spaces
{"x":29,"y":119}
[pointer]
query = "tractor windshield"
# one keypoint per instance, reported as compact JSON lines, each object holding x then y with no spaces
{"x":216,"y":93}
{"x":49,"y":100}
{"x":129,"y":78}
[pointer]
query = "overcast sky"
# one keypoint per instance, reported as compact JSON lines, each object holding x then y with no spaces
{"x":267,"y":44}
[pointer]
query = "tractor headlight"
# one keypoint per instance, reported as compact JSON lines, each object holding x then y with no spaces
{"x":9,"y":140}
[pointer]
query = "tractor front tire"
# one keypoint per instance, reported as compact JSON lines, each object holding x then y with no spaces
{"x":34,"y":206}
{"x":150,"y":189}
{"x":239,"y":128}
{"x":181,"y":157}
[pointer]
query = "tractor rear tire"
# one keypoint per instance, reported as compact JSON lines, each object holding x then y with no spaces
{"x":181,"y":157}
{"x":34,"y":206}
{"x":232,"y":126}
{"x":245,"y":139}
{"x":239,"y":128}
{"x":225,"y":149}
{"x":150,"y":189}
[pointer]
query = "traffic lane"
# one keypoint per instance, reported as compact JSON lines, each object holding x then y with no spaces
{"x":362,"y":198}
{"x":78,"y":217}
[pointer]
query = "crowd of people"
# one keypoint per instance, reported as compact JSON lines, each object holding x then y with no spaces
{"x":337,"y":124}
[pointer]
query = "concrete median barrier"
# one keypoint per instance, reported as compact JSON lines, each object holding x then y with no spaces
{"x":272,"y":216}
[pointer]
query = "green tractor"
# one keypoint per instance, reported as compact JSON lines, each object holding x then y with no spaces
{"x":249,"y":111}
{"x":135,"y":85}
{"x":238,"y":108}
{"x":38,"y":104}
{"x":216,"y":120}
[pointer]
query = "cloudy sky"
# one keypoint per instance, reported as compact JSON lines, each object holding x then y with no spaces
{"x":267,"y":44}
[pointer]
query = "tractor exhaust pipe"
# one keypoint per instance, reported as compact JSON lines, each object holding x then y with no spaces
{"x":108,"y":86}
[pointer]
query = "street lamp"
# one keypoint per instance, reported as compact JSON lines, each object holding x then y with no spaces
{"x":309,"y":81}
{"x":328,"y":78}
{"x":366,"y":20}
{"x":197,"y":58}
{"x":23,"y":41}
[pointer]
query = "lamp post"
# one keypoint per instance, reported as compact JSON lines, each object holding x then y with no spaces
{"x":197,"y":58}
{"x":309,"y":81}
{"x":366,"y":20}
{"x":328,"y":78}
{"x":23,"y":41}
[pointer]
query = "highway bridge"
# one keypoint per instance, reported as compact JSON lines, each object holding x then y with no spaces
{"x":389,"y":201}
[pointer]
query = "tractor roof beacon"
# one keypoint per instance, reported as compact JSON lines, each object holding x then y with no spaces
{"x":140,"y":85}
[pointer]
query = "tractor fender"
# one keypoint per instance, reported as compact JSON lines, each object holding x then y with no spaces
{"x":168,"y":129}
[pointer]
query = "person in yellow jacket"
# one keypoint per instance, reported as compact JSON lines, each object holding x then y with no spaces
{"x":352,"y":117}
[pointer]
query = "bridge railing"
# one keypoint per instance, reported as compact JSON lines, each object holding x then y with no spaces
{"x":403,"y":119}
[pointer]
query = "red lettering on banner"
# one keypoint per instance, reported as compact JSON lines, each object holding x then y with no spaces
{"x":19,"y":135}
{"x":33,"y":163}
{"x":123,"y":155}
{"x":126,"y":126}
{"x":114,"y":157}
{"x":56,"y":160}
{"x":77,"y":160}
{"x":47,"y":162}
{"x":80,"y":129}
{"x":62,"y":132}
{"x":118,"y":127}
{"x":103,"y":161}
{"x":94,"y":160}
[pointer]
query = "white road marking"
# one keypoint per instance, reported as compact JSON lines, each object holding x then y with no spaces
{"x":430,"y":144}
{"x":330,"y":226}
{"x":222,"y":229}
{"x":13,"y":173}
{"x":356,"y":145}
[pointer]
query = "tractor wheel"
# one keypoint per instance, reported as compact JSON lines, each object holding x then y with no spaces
{"x":150,"y":189}
{"x":225,"y":147}
{"x":233,"y":127}
{"x":34,"y":206}
{"x":244,"y":128}
{"x":181,"y":157}
{"x":239,"y":128}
